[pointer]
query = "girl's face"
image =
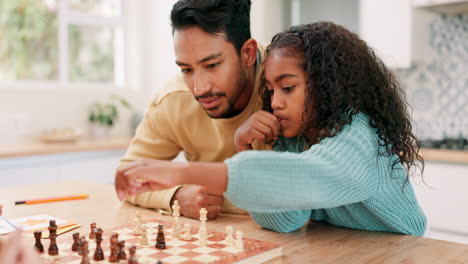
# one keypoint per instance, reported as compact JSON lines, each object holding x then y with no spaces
{"x":286,"y":80}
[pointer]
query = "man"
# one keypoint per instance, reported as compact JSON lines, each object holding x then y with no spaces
{"x":199,"y":111}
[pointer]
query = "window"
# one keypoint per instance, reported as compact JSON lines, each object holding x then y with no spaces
{"x":61,"y":43}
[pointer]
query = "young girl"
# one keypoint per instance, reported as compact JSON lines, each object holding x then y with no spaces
{"x":343,"y":146}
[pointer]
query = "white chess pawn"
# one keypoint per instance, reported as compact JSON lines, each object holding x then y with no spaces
{"x":143,"y":237}
{"x":188,"y":233}
{"x":239,"y":241}
{"x":229,"y":237}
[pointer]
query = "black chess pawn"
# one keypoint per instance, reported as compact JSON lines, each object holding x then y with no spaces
{"x":53,"y":248}
{"x":160,"y":241}
{"x":132,"y":259}
{"x":84,"y":251}
{"x":122,"y":255}
{"x":75,"y":245}
{"x":38,"y":245}
{"x":99,"y":253}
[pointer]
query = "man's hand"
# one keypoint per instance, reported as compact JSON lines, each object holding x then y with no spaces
{"x":262,"y":125}
{"x":1,"y":207}
{"x":194,"y":197}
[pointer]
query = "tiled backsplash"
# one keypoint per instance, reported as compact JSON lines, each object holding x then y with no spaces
{"x":437,"y":89}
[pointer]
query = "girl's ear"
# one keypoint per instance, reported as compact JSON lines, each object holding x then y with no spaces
{"x":249,"y":52}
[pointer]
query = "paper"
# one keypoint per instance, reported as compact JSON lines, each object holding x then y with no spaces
{"x":5,"y":226}
{"x":41,"y":223}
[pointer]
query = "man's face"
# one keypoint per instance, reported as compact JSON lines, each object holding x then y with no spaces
{"x":212,"y":70}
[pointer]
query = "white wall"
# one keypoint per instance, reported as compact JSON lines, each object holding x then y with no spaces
{"x":267,"y":17}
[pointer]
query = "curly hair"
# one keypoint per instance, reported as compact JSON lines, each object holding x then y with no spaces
{"x":345,"y":77}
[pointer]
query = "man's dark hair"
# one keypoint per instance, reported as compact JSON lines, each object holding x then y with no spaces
{"x":231,"y":17}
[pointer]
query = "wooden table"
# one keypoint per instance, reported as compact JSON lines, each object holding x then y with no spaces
{"x":314,"y":243}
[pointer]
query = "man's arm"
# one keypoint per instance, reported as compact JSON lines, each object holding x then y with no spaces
{"x":156,"y":139}
{"x":153,"y":139}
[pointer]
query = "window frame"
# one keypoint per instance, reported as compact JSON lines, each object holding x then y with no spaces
{"x":66,"y":17}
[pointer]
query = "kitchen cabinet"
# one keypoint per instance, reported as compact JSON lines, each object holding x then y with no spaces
{"x":443,"y":6}
{"x":384,"y":25}
{"x":443,"y":197}
{"x":94,"y":166}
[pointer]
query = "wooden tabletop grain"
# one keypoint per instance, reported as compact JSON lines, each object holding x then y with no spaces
{"x":314,"y":243}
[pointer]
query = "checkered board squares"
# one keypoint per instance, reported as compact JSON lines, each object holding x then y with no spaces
{"x":177,"y":250}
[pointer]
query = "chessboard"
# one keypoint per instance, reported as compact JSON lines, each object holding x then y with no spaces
{"x":177,"y":250}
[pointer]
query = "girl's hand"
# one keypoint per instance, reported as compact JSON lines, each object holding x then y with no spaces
{"x":145,"y":175}
{"x":262,"y":125}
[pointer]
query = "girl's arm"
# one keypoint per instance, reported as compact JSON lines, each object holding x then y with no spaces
{"x":337,"y":171}
{"x":283,"y":222}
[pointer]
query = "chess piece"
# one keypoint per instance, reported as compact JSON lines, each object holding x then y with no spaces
{"x":38,"y":245}
{"x":187,"y":233}
{"x":92,"y":234}
{"x":137,"y":223}
{"x":229,"y":237}
{"x":80,"y":240}
{"x":203,"y":218}
{"x":122,"y":255}
{"x":53,"y":248}
{"x":114,"y":239}
{"x":175,"y":215}
{"x":160,"y":241}
{"x":98,"y":254}
{"x":75,"y":245}
{"x":138,"y":216}
{"x":114,"y":248}
{"x":84,"y":251}
{"x":132,"y":259}
{"x":143,"y":237}
{"x":239,"y":242}
{"x":203,"y":234}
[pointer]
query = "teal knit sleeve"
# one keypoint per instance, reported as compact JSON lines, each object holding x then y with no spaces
{"x":282,"y":222}
{"x":337,"y":171}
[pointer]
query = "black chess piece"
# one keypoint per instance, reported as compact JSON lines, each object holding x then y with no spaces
{"x":92,"y":234}
{"x":160,"y":240}
{"x":53,"y":248}
{"x":132,"y":259}
{"x":75,"y":245}
{"x":38,"y":245}
{"x":122,"y":255}
{"x":99,"y":253}
{"x":84,"y":251}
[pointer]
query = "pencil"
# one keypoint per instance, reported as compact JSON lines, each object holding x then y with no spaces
{"x":53,"y":199}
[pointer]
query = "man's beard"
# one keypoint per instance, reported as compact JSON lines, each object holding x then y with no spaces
{"x":230,"y":111}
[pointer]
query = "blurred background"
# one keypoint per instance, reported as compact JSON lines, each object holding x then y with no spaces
{"x":77,"y":75}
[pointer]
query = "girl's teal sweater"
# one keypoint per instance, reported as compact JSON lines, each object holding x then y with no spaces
{"x":343,"y":180}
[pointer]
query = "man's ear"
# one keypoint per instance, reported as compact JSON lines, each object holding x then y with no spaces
{"x":249,"y":52}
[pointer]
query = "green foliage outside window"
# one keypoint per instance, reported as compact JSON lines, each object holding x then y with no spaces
{"x":28,"y":41}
